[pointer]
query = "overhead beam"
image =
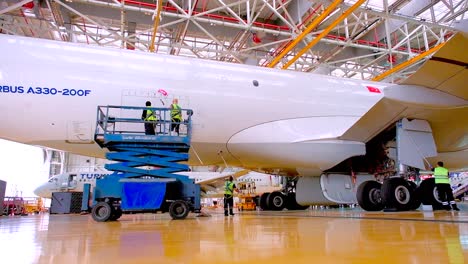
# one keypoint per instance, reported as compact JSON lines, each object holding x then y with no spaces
{"x":155,"y":26}
{"x":408,"y":62}
{"x":14,"y":6}
{"x":411,"y":9}
{"x":324,"y":33}
{"x":57,"y":17}
{"x":94,"y":21}
{"x":297,"y":9}
{"x":304,"y":33}
{"x":280,"y":17}
{"x":131,"y":39}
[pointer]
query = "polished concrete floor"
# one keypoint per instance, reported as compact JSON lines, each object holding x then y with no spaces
{"x":312,"y":236}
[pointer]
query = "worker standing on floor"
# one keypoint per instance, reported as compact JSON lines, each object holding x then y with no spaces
{"x":444,"y":189}
{"x":229,"y":188}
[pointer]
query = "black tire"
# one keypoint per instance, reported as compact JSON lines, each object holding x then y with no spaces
{"x":415,"y":198}
{"x":291,"y":203}
{"x":369,"y":196}
{"x":102,"y":212}
{"x":263,"y":201}
{"x":276,"y":201}
{"x":179,"y":209}
{"x":428,"y":193}
{"x":396,"y":193}
{"x":116,"y":214}
{"x":257,"y":201}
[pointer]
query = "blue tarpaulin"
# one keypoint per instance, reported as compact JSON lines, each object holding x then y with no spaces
{"x":143,"y":195}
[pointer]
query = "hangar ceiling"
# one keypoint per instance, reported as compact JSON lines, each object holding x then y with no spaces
{"x":355,"y":39}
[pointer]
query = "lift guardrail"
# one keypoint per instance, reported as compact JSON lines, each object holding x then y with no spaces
{"x":124,"y":123}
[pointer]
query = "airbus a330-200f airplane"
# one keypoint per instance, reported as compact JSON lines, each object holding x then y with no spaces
{"x":334,"y":137}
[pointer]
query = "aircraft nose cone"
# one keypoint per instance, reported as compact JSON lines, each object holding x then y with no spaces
{"x":37,"y":191}
{"x":40,"y":191}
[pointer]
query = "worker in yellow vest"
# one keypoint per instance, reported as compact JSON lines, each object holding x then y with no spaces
{"x":149,"y":116}
{"x":176,"y":115}
{"x":444,"y":189}
{"x":229,"y":188}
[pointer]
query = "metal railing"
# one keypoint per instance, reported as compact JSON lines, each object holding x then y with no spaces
{"x":127,"y":120}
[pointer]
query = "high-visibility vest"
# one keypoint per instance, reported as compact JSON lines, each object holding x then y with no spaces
{"x":441,"y":175}
{"x":175,"y":112}
{"x":150,"y":115}
{"x":228,"y":188}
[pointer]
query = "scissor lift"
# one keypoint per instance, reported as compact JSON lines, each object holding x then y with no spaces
{"x":145,"y":175}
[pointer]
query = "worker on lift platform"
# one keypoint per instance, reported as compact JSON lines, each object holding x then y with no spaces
{"x":149,"y":116}
{"x":176,"y":116}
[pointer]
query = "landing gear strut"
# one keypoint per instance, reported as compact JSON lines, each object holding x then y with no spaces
{"x":395,"y":170}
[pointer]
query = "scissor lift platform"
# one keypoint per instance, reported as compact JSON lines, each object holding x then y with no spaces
{"x":145,"y":175}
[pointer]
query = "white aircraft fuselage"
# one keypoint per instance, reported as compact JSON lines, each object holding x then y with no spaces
{"x":49,"y":93}
{"x":74,"y":182}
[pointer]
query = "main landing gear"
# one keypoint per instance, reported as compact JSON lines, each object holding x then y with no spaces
{"x":278,"y":200}
{"x":397,"y":194}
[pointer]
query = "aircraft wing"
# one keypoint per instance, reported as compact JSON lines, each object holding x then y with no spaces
{"x":446,"y":70}
{"x":437,"y":93}
{"x":215,"y":183}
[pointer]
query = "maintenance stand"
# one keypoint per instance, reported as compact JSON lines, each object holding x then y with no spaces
{"x":144,"y":178}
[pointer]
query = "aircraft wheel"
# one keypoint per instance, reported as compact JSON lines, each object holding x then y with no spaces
{"x":179,"y":209}
{"x":416,"y":197}
{"x":263,"y":201}
{"x":276,"y":201}
{"x":101,"y":212}
{"x":428,"y":193}
{"x":396,"y":193}
{"x":369,"y":196}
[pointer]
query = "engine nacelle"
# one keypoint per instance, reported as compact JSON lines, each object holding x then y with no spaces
{"x":329,"y":189}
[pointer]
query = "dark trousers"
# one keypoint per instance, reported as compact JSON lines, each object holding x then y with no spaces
{"x":445,"y":193}
{"x":175,"y":125}
{"x":228,"y":203}
{"x":149,"y":129}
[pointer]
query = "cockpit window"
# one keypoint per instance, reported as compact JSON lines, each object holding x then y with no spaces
{"x":52,"y":179}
